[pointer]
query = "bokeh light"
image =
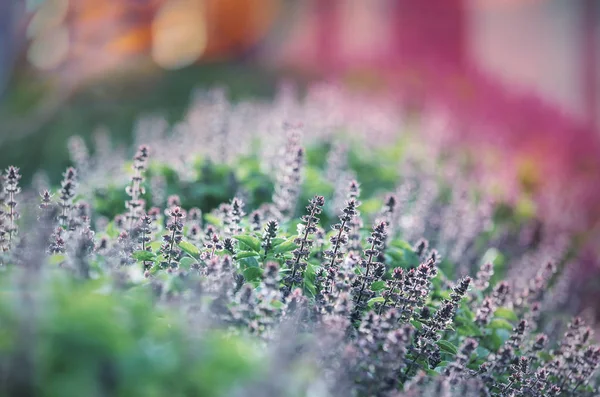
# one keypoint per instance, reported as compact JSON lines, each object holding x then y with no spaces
{"x":179,"y":33}
{"x":49,"y":35}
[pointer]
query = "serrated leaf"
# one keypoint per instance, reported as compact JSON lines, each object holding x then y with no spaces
{"x":378,"y":286}
{"x":447,"y":347}
{"x":500,"y":323}
{"x":186,"y":262}
{"x":252,"y":242}
{"x":287,"y":246}
{"x":506,"y":313}
{"x":143,"y":255}
{"x":245,"y":254}
{"x":189,"y":248}
{"x":375,"y":300}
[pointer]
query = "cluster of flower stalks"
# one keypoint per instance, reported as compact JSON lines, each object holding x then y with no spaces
{"x":336,"y":297}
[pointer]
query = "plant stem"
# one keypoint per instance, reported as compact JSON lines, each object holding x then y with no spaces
{"x":507,"y":386}
{"x":337,"y":243}
{"x":411,"y":366}
{"x":577,"y":386}
{"x":10,"y":216}
{"x":392,"y":287}
{"x":362,"y":287}
{"x":306,"y":230}
{"x":566,"y":379}
{"x":171,"y":246}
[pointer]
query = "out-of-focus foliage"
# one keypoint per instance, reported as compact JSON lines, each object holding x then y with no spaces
{"x":69,"y":338}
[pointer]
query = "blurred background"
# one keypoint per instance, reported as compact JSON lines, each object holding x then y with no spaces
{"x":518,"y":77}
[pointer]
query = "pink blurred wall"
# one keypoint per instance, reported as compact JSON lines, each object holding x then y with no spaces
{"x":548,"y":48}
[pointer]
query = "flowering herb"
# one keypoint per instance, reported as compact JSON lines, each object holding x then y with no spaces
{"x":273,"y":303}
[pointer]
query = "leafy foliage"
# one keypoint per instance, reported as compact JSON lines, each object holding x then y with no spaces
{"x":277,"y":275}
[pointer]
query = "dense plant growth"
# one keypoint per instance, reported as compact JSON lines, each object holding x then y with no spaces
{"x":221,"y":261}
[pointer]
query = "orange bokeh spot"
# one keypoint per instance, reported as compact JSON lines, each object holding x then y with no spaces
{"x":236,"y":25}
{"x":135,"y":40}
{"x":101,"y":34}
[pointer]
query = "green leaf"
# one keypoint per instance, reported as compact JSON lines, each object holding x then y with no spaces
{"x":378,"y":286}
{"x":252,"y":274}
{"x":402,"y":257}
{"x":309,"y":279}
{"x":154,"y":269}
{"x":466,"y":327}
{"x":482,"y":352}
{"x":57,"y":259}
{"x":417,"y":324}
{"x":143,"y":255}
{"x":466,"y":312}
{"x":500,"y":323}
{"x":396,"y":255}
{"x":411,"y":259}
{"x":545,"y":356}
{"x":189,"y":248}
{"x":498,"y":337}
{"x":277,"y":304}
{"x":186,"y":262}
{"x":245,"y":254}
{"x":506,"y":313}
{"x":112,"y":230}
{"x":287,"y":246}
{"x":212,"y":219}
{"x":276,"y":241}
{"x":249,"y":262}
{"x":155,"y":245}
{"x":252,"y":242}
{"x":441,"y":366}
{"x":403,"y":245}
{"x":447,"y":347}
{"x":375,"y":300}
